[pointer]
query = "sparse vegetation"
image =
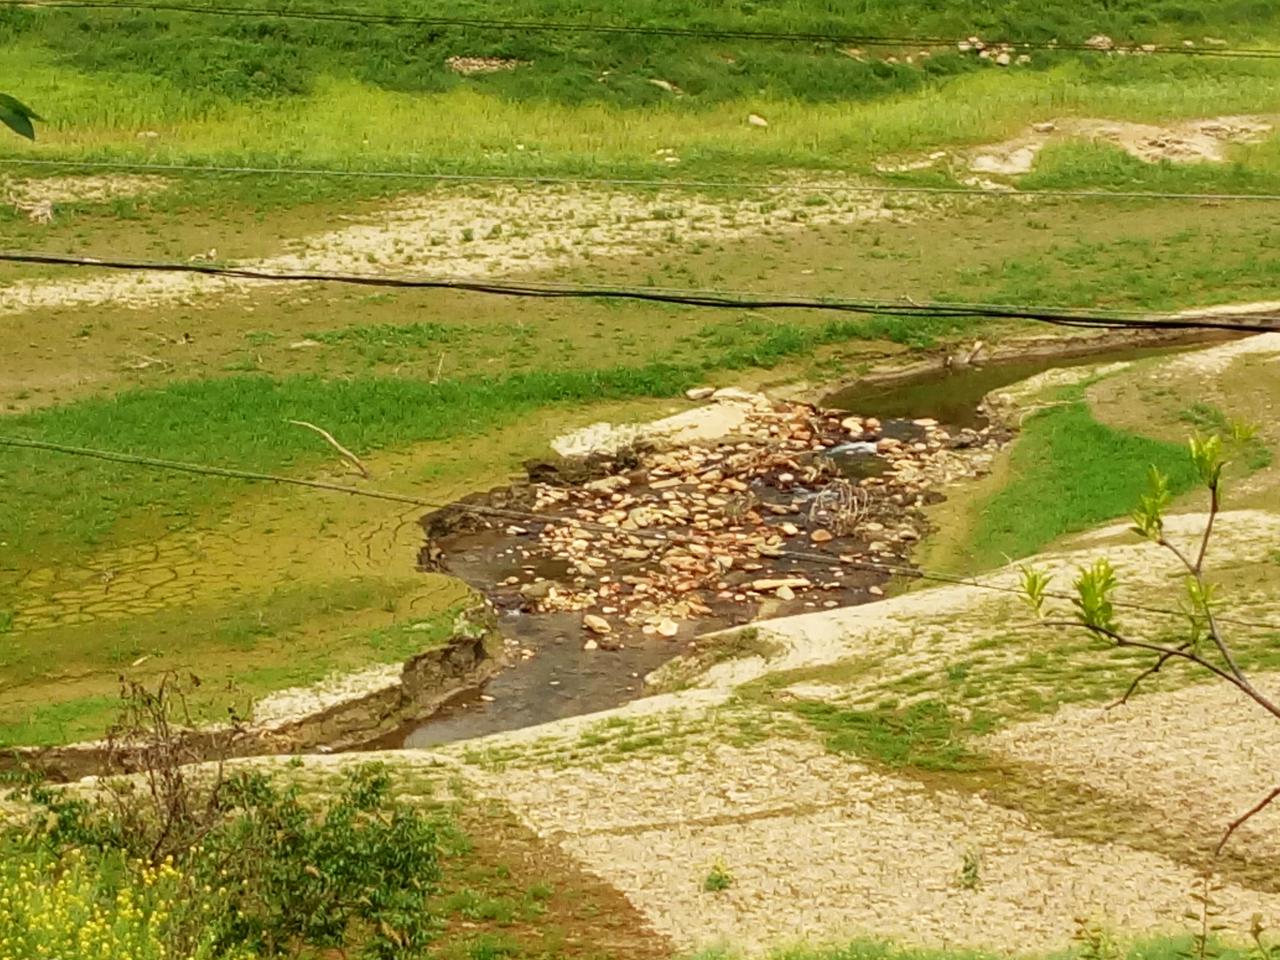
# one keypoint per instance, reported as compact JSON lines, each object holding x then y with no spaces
{"x":718,"y":879}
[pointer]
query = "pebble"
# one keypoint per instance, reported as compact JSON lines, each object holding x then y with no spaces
{"x":766,"y":584}
{"x":822,"y":536}
{"x":597,"y":624}
{"x":785,"y":593}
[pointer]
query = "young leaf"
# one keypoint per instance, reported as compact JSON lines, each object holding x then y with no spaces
{"x":1035,"y":583}
{"x":17,"y":116}
{"x":1148,"y":519}
{"x":1206,"y":454}
{"x":1094,"y":587}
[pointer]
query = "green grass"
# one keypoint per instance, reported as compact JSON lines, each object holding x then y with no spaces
{"x":1069,"y":472}
{"x":1250,"y":451}
{"x":1086,"y":164}
{"x":240,"y":421}
{"x":926,"y":735}
{"x":346,"y":122}
{"x":213,"y":60}
{"x":1189,"y":267}
{"x":389,"y":342}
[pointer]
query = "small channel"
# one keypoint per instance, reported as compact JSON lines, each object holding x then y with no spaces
{"x":552,"y":677}
{"x":953,"y":396}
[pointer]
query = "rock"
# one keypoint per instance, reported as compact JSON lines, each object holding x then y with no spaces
{"x":1100,"y":41}
{"x":1047,"y":126}
{"x":757,"y":121}
{"x":871,"y":423}
{"x":875,"y":591}
{"x":607,"y":484}
{"x":634,"y":553}
{"x":735,"y":393}
{"x":852,"y":424}
{"x":597,"y":624}
{"x":786,"y":478}
{"x":1003,"y":59}
{"x":1023,"y":59}
{"x":888,"y":443}
{"x":591,"y":645}
{"x":666,"y":85}
{"x":668,"y":628}
{"x":538,"y":590}
{"x":785,"y":593}
{"x":822,"y":536}
{"x":773,"y":583}
{"x":700,"y":393}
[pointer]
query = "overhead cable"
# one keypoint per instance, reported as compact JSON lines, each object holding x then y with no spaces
{"x":693,"y":298}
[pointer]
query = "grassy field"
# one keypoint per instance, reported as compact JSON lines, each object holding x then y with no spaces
{"x":410,"y":380}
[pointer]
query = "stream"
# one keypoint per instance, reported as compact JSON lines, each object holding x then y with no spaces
{"x":552,"y":675}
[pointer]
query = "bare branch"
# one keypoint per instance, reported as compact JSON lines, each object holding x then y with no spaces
{"x":1208,"y":528}
{"x":1154,"y":669}
{"x":343,"y":451}
{"x":1239,"y":821}
{"x":1240,"y":684}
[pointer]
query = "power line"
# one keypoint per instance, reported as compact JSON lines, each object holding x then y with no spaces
{"x":527,"y":516}
{"x":704,"y":33}
{"x":693,"y":298}
{"x":816,"y":186}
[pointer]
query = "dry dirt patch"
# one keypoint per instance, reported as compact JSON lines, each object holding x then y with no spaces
{"x":821,"y":848}
{"x":25,"y":194}
{"x":469,"y":233}
{"x":1202,"y":756}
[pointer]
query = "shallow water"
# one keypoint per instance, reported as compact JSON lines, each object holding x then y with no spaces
{"x":952,"y":396}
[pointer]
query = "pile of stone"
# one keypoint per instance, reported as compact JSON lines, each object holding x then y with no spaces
{"x":768,"y":519}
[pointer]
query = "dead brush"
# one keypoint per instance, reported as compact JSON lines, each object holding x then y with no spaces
{"x":840,"y":507}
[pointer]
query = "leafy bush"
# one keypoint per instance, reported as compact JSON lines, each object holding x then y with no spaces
{"x":269,"y":877}
{"x":182,"y":861}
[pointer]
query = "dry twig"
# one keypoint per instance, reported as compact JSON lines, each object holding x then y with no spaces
{"x":346,"y":454}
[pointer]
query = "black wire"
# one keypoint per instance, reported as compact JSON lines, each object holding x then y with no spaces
{"x":528,"y":26}
{"x":693,"y":298}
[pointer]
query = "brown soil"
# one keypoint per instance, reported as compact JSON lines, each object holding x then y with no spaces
{"x":582,"y":917}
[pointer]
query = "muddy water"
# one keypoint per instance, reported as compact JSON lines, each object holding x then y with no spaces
{"x":553,"y":677}
{"x":952,"y":396}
